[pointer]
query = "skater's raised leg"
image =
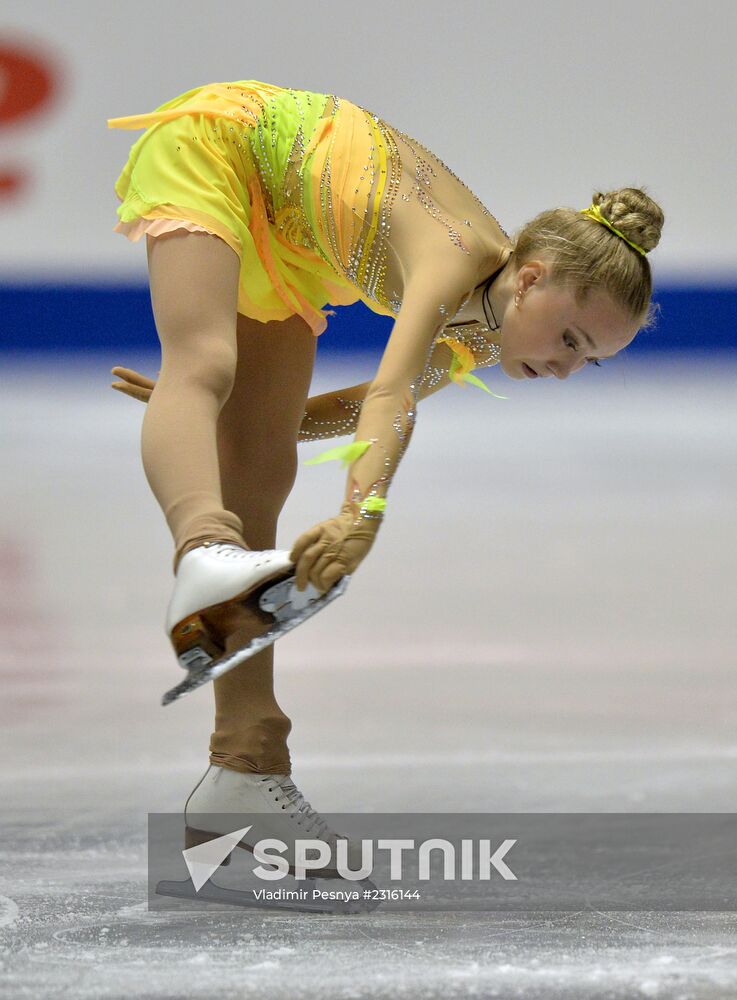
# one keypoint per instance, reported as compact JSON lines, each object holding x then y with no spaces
{"x":194,"y":293}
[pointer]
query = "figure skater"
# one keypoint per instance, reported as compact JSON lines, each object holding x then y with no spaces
{"x":260,"y":205}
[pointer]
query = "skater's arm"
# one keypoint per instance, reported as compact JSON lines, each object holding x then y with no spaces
{"x":329,"y":415}
{"x":334,"y":414}
{"x":335,"y":547}
{"x":389,"y":411}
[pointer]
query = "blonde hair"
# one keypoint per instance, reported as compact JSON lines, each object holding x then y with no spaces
{"x":586,"y":255}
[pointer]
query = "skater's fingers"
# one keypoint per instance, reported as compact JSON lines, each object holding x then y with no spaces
{"x":131,"y":390}
{"x":302,"y":543}
{"x":135,"y":385}
{"x":307,"y":563}
{"x":302,"y":574}
{"x":328,"y":577}
{"x":133,"y":377}
{"x":326,"y":571}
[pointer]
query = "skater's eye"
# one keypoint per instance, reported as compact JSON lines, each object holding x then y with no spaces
{"x":570,"y":341}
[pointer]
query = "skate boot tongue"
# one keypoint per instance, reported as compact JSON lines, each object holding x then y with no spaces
{"x":301,"y":807}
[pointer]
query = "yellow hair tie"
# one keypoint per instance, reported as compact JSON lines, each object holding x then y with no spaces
{"x":594,"y":212}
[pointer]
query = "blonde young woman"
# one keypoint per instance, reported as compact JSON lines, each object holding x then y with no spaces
{"x":260,"y":205}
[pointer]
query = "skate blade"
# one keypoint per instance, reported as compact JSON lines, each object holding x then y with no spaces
{"x":211,"y":892}
{"x":289,"y":607}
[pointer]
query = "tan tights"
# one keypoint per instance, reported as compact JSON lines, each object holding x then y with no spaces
{"x":219,"y":450}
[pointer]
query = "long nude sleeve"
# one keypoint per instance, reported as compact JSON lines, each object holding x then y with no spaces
{"x":333,"y":414}
{"x":334,"y":548}
{"x":388,"y":413}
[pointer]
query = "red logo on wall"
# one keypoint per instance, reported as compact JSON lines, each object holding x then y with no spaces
{"x":29,"y":83}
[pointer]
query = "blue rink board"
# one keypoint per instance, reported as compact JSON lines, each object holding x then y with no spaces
{"x":46,"y":317}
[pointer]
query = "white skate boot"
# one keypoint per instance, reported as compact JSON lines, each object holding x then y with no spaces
{"x":259,"y":807}
{"x":278,"y":807}
{"x":228,"y":603}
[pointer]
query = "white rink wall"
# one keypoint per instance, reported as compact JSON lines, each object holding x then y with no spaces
{"x":532,"y":106}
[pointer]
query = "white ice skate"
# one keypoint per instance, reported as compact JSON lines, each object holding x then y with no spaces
{"x":229,"y":603}
{"x":227,"y":802}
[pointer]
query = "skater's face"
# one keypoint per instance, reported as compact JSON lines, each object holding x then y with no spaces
{"x":547,"y":331}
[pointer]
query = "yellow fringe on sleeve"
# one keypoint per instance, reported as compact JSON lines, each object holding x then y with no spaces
{"x":462,"y":364}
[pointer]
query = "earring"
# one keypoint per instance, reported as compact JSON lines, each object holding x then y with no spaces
{"x":517,"y":298}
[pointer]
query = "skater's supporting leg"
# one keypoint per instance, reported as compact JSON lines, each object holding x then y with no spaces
{"x":257,"y":444}
{"x":194,"y":294}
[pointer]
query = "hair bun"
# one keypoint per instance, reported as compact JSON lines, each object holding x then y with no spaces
{"x":634,"y":213}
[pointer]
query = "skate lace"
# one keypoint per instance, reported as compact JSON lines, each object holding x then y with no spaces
{"x":302,"y":808}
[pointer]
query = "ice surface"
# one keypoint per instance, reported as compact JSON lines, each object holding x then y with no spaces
{"x":546,"y":623}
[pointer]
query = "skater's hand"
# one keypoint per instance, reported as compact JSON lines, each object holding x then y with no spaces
{"x":140,"y":387}
{"x":134,"y":384}
{"x":332,"y":549}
